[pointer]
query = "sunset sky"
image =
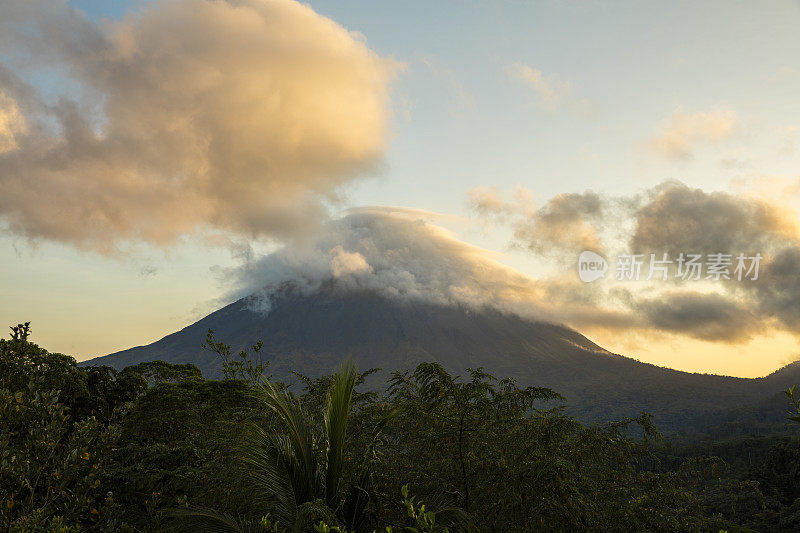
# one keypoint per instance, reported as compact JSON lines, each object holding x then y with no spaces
{"x":159,"y":159}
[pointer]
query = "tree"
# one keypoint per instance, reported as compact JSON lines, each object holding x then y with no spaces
{"x":794,"y":400}
{"x":245,"y":367}
{"x":297,"y":463}
{"x":52,"y":446}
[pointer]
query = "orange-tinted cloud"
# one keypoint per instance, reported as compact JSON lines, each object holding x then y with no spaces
{"x":237,"y":116}
{"x":683,"y":133}
{"x":12,"y":123}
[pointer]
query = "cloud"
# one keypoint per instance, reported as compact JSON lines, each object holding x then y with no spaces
{"x":241,"y":117}
{"x":12,"y":123}
{"x":396,"y":255}
{"x":346,"y":263}
{"x":401,"y":254}
{"x":677,"y":218}
{"x":681,"y":134}
{"x":550,"y":91}
{"x":148,"y":271}
{"x":488,"y":202}
{"x":670,"y":218}
{"x":565,"y":223}
{"x":711,"y":317}
{"x":778,"y":291}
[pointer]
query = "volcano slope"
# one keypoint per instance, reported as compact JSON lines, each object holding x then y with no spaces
{"x":310,"y":334}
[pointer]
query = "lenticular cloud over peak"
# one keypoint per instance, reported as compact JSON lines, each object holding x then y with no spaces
{"x":395,"y":255}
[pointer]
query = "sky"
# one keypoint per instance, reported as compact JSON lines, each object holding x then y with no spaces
{"x":160,"y":159}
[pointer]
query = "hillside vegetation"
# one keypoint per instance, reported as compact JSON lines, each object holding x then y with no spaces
{"x":157,"y":446}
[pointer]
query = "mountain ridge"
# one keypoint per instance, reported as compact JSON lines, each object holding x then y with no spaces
{"x":312,"y":333}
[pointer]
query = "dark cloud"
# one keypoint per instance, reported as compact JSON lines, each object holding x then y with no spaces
{"x":681,"y":219}
{"x":148,"y":271}
{"x":671,"y":218}
{"x":711,"y":317}
{"x":567,"y":223}
{"x":567,"y":220}
{"x":778,"y":288}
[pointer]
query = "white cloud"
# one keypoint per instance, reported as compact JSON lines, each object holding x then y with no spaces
{"x":548,"y":89}
{"x":395,"y":254}
{"x":682,"y":133}
{"x":346,"y":263}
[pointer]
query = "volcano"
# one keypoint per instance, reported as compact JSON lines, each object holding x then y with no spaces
{"x":311,"y":334}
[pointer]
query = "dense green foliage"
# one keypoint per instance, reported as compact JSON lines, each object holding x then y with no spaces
{"x":156,"y":446}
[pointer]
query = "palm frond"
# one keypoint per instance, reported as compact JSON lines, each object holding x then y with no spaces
{"x":271,"y":465}
{"x":356,"y":501}
{"x":336,"y":413}
{"x":354,"y":508}
{"x":206,"y":521}
{"x":303,"y":462}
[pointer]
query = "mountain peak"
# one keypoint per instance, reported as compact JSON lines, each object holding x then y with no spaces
{"x":312,"y":333}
